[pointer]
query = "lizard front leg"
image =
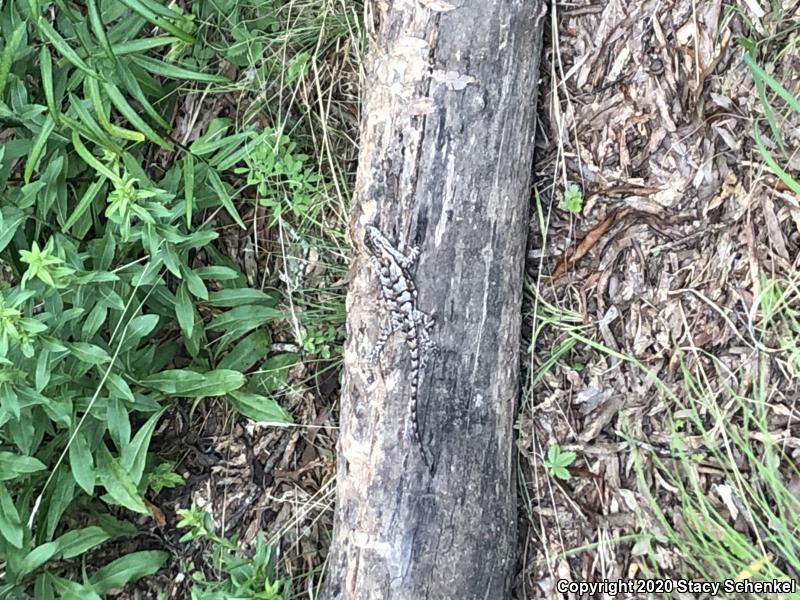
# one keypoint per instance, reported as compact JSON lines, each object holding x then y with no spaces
{"x":375,"y":265}
{"x":410,"y":258}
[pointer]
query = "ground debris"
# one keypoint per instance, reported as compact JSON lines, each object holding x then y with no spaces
{"x":661,"y":280}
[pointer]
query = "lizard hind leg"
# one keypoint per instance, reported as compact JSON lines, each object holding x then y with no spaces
{"x":426,"y":323}
{"x":380,"y":343}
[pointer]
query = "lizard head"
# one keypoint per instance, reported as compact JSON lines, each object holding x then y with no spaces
{"x":375,"y":242}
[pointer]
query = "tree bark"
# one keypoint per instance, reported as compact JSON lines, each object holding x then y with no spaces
{"x":445,"y":163}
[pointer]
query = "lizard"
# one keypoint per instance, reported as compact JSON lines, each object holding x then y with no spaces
{"x":399,"y":293}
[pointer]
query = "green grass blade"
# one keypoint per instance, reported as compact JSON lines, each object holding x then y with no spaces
{"x":773,"y":164}
{"x":768,"y":114}
{"x":760,"y":73}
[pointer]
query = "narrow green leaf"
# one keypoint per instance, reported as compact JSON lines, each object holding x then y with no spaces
{"x":230,"y":298}
{"x":785,"y":94}
{"x":14,"y":465}
{"x":131,"y":567}
{"x":773,"y":164}
{"x":769,"y":115}
{"x":247,"y":352}
{"x":188,"y":186}
{"x":87,"y":126}
{"x":90,"y":160}
{"x":184,"y":310}
{"x":7,"y":57}
{"x":43,"y":370}
{"x":171,"y":259}
{"x":93,"y":91}
{"x":37,"y":557}
{"x":171,"y":71}
{"x":71,"y":590}
{"x":43,"y":588}
{"x":217,"y":273}
{"x":11,"y":218}
{"x":84,"y":203}
{"x":119,"y":426}
{"x":185,"y":382}
{"x":134,"y":455}
{"x":222,"y":163}
{"x":81,"y":463}
{"x":245,"y":317}
{"x":46,"y":67}
{"x":147,"y":11}
{"x":10,"y":523}
{"x":259,"y":408}
{"x":38,"y":148}
{"x":142,"y":325}
{"x":98,"y":29}
{"x":134,"y":89}
{"x":224,"y":197}
{"x":142,"y":45}
{"x":78,"y":541}
{"x":64,"y":48}
{"x":119,"y":387}
{"x":195,"y":284}
{"x":61,"y":496}
{"x":88,"y":353}
{"x":119,"y":101}
{"x":213,"y":141}
{"x":118,"y":482}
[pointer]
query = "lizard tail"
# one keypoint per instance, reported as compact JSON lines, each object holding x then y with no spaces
{"x":413,"y":347}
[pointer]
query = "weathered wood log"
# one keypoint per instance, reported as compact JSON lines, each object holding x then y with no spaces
{"x":445,"y":163}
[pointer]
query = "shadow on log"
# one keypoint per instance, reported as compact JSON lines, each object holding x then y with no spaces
{"x":445,"y":164}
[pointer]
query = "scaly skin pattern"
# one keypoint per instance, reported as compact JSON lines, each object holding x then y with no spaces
{"x":400,"y":296}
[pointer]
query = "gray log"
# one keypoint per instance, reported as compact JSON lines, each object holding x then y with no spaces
{"x":445,"y":163}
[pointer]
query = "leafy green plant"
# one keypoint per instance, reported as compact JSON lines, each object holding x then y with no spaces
{"x":163,"y":476}
{"x":280,"y":176}
{"x":558,"y":460}
{"x":573,"y":198}
{"x":240,"y":576}
{"x":319,"y":342}
{"x":114,"y":302}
